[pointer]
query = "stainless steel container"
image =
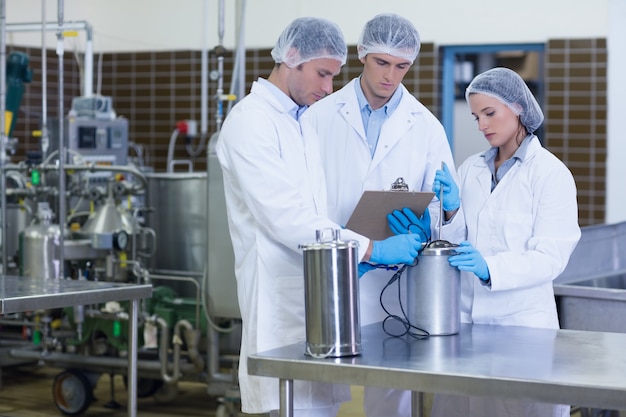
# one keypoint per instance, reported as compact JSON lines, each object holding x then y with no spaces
{"x":331,"y":290}
{"x":179,"y":220}
{"x":40,"y":247}
{"x":434,"y":291}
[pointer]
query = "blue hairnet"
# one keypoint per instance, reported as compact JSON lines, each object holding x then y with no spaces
{"x":309,"y":38}
{"x":391,"y":34}
{"x":508,"y":87}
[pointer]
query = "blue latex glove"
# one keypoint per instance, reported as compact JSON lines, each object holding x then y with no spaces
{"x":451,"y":197}
{"x":405,"y":221}
{"x":365,"y":267}
{"x":469,"y":259}
{"x":399,"y":249}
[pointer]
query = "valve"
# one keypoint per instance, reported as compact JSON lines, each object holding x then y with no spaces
{"x":187,"y":127}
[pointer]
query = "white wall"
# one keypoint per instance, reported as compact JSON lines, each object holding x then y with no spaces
{"x":126,"y":25}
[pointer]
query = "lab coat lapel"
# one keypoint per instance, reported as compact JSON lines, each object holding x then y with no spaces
{"x":483,"y":178}
{"x":392,"y":132}
{"x":395,"y":128}
{"x":349,"y":109}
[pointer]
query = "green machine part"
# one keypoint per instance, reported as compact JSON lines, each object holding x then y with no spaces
{"x":166,"y":304}
{"x":17,"y":74}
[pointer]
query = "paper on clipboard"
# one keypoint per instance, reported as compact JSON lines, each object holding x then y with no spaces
{"x":369,"y":217}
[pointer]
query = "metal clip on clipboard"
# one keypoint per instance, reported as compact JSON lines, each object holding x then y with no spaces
{"x":399,"y":185}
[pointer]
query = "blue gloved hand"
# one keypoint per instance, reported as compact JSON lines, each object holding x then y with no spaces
{"x":470,"y":259}
{"x":451,"y":197}
{"x":399,"y":249}
{"x":405,"y":221}
{"x":365,"y":267}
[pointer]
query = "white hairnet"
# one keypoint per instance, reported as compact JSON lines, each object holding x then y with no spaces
{"x":508,"y":87}
{"x":309,"y":38}
{"x":391,"y":34}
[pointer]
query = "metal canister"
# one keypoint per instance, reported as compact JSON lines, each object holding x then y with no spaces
{"x":331,"y":290}
{"x":40,"y":247}
{"x":434,"y":291}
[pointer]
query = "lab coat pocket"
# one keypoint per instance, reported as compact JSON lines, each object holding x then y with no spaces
{"x":290,"y":307}
{"x":516,"y":228}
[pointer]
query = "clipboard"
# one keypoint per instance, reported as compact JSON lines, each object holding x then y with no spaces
{"x":369,"y":217}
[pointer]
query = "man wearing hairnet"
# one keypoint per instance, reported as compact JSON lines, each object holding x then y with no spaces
{"x":519,"y":202}
{"x":276,"y":200}
{"x":372,"y":132}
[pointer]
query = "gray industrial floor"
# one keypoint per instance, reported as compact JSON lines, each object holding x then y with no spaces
{"x":27,"y":392}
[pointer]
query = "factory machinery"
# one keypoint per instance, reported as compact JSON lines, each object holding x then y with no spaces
{"x":82,"y":208}
{"x":127,"y":224}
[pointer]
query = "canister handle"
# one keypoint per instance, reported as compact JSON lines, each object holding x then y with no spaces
{"x":322,"y":235}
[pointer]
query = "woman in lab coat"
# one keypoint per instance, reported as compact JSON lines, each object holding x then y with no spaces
{"x":276,"y":200}
{"x":519,"y":203}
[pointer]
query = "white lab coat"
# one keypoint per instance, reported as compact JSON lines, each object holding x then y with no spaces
{"x":412,"y":144}
{"x":276,"y":200}
{"x":526,"y":229}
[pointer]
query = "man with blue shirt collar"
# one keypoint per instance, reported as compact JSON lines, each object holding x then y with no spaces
{"x":373,"y":131}
{"x":275,"y":196}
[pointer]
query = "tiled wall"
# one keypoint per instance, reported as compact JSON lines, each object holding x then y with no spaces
{"x":576,"y":109}
{"x":154,"y":90}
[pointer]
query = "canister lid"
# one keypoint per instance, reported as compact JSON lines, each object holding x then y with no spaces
{"x":329,"y":239}
{"x":439,"y":247}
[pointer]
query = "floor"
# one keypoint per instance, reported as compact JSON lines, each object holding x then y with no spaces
{"x":27,"y":392}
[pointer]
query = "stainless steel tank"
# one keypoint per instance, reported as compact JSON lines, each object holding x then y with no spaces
{"x":331,"y":292}
{"x":18,"y":218}
{"x":221,"y":281}
{"x":177,"y":214}
{"x":178,"y":217}
{"x":434,"y":291}
{"x":40,"y":247}
{"x":19,"y":214}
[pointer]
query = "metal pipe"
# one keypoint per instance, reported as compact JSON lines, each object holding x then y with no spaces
{"x":238,"y":88}
{"x":62,"y":156}
{"x":86,"y":361}
{"x":285,"y":387}
{"x":192,"y":339}
{"x":163,"y":347}
{"x":204,"y":72}
{"x":219,"y":113}
{"x":440,"y":206}
{"x":213,"y":358}
{"x":3,"y":123}
{"x":9,"y":322}
{"x":132,"y":357}
{"x":71,"y":25}
{"x":417,"y":403}
{"x":90,"y":167}
{"x":45,"y":140}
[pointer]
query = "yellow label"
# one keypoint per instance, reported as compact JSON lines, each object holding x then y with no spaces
{"x":8,"y":118}
{"x":123,"y":259}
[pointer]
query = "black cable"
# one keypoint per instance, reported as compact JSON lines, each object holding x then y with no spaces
{"x":419,"y":226}
{"x":409,"y":329}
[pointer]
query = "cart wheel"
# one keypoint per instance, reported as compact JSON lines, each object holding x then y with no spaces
{"x":72,"y":392}
{"x":146,"y":387}
{"x":167,"y":393}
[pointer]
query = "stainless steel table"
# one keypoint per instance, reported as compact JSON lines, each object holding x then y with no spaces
{"x":555,"y":366}
{"x":19,"y":294}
